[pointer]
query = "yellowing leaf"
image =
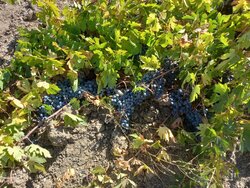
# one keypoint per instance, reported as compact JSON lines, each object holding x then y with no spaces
{"x":142,"y":169}
{"x":123,"y":164}
{"x":17,"y":120}
{"x":15,"y":102}
{"x":157,"y":144}
{"x":24,"y":85}
{"x":166,"y":39}
{"x":163,"y":155}
{"x":153,"y":22}
{"x":138,"y":141}
{"x":43,"y":84}
{"x":166,"y":134}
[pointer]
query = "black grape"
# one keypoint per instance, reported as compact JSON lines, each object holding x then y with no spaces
{"x":126,"y":100}
{"x":65,"y":94}
{"x":182,"y":107}
{"x":153,"y":83}
{"x":172,"y":70}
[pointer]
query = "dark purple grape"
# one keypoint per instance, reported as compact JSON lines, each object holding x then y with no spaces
{"x":65,"y":94}
{"x":182,"y":107}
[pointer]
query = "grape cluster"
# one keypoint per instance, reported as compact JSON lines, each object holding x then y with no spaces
{"x":153,"y":82}
{"x":181,"y":107}
{"x":65,"y":94}
{"x":107,"y":92}
{"x":171,"y":69}
{"x":126,"y":101}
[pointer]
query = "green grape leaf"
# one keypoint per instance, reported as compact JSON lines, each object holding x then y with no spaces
{"x":132,"y":46}
{"x":73,"y":76}
{"x":1,"y":85}
{"x":53,"y":89}
{"x":221,"y":88}
{"x":34,"y":150}
{"x":150,"y":63}
{"x":195,"y":93}
{"x":73,"y":120}
{"x":166,"y":39}
{"x":98,"y":170}
{"x":48,"y":108}
{"x":189,"y":17}
{"x":18,"y":136}
{"x":39,"y":167}
{"x":8,"y":140}
{"x":108,"y":78}
{"x":75,"y":103}
{"x":190,"y":78}
{"x":138,"y":141}
{"x":37,"y":159}
{"x":17,"y":152}
{"x":224,"y":39}
{"x":244,"y":40}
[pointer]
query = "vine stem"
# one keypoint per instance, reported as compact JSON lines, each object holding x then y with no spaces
{"x":211,"y":179}
{"x":41,"y":123}
{"x":48,"y":119}
{"x":60,"y":110}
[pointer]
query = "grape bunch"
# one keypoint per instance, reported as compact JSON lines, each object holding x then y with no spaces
{"x":182,"y":107}
{"x":171,"y":69}
{"x":153,"y":82}
{"x":65,"y":94}
{"x":107,"y":92}
{"x":125,"y":102}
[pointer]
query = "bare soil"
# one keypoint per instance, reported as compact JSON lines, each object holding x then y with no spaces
{"x":76,"y":151}
{"x":13,"y":17}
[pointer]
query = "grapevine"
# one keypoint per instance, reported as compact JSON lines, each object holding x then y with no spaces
{"x":197,"y":52}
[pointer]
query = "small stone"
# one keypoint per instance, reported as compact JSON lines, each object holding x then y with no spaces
{"x":29,"y":15}
{"x":58,"y":137}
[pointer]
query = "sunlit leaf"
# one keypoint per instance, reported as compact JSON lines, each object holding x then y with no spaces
{"x":150,"y":63}
{"x":17,"y":152}
{"x":73,"y":120}
{"x":43,"y":84}
{"x":15,"y":102}
{"x":142,"y":169}
{"x":166,"y":134}
{"x":195,"y":93}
